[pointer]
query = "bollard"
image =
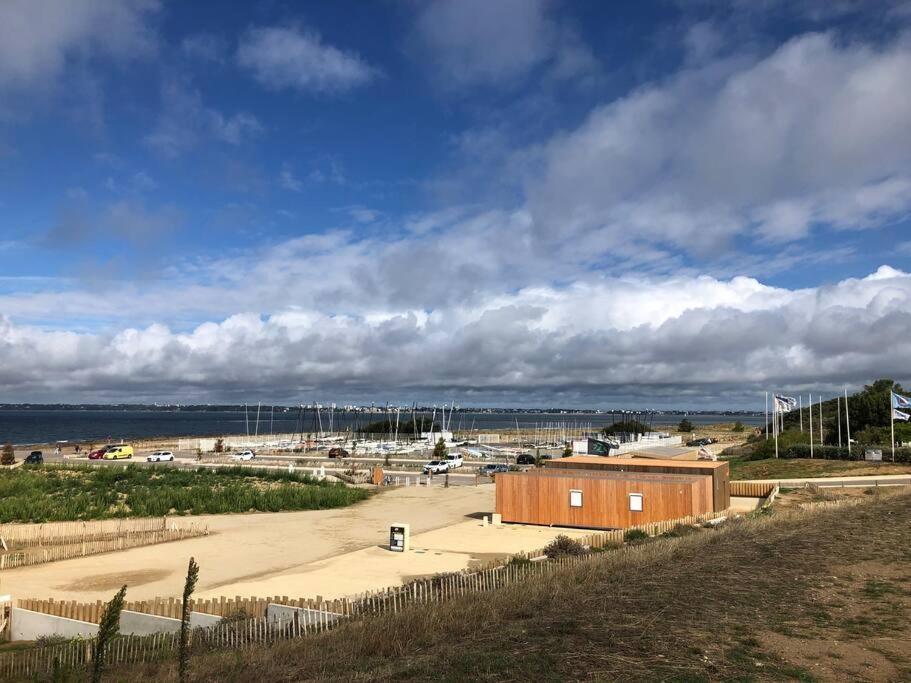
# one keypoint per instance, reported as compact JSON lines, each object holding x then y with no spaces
{"x":497,"y":519}
{"x":486,"y":521}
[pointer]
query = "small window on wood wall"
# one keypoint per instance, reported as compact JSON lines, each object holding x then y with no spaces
{"x":635,"y":502}
{"x":575,"y":498}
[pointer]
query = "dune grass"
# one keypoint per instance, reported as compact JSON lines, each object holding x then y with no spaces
{"x":64,"y":493}
{"x":781,"y":596}
{"x":792,"y":468}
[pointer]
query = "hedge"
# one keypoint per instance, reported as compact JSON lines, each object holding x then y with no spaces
{"x":802,"y":450}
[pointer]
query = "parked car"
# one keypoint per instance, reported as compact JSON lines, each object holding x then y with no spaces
{"x":436,"y":467}
{"x":701,"y":442}
{"x":493,"y":468}
{"x":34,"y":458}
{"x":159,"y":456}
{"x":338,"y":453}
{"x":243,"y":455}
{"x":454,"y":460}
{"x":119,"y":451}
{"x":525,"y":459}
{"x":99,"y":454}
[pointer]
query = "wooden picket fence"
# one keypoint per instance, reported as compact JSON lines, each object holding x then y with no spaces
{"x":29,"y":549}
{"x":19,"y":536}
{"x":751,"y":489}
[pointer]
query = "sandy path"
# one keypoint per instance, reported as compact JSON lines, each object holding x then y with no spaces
{"x":247,"y":547}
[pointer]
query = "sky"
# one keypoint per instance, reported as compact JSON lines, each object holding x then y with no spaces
{"x":495,"y":202}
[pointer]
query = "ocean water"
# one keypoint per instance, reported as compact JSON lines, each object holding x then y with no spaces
{"x":44,"y":426}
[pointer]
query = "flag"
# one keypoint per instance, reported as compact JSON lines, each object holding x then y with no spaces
{"x":783,"y":404}
{"x":899,"y":401}
{"x":899,"y":415}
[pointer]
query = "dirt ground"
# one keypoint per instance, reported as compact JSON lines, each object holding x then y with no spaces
{"x":324,"y":552}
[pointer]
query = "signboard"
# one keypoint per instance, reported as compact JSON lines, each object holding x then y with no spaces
{"x":635,"y":502}
{"x":873,"y":454}
{"x":399,"y":537}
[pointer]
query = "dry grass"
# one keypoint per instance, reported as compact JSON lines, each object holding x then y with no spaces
{"x":793,"y":468}
{"x":719,"y":605}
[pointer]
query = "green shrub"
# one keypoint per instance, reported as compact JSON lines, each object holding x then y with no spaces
{"x":563,"y":546}
{"x":635,"y":536}
{"x":7,"y":455}
{"x":685,"y":426}
{"x":738,"y":427}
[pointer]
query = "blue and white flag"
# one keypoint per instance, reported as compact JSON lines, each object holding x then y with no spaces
{"x":783,"y":404}
{"x":899,"y":415}
{"x":899,"y":401}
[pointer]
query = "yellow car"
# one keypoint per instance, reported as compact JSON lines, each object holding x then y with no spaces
{"x":118,"y":452}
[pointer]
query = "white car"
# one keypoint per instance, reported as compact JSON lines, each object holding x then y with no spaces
{"x":243,"y":455}
{"x":454,"y":460}
{"x":436,"y":467}
{"x":158,"y":456}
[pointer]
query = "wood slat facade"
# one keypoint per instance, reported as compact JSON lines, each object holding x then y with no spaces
{"x":544,"y":496}
{"x":718,"y":471}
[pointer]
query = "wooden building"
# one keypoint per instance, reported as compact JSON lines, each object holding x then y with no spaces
{"x":599,"y":499}
{"x":717,"y":471}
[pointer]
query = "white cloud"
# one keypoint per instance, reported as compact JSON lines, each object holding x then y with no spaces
{"x":204,"y":47}
{"x":289,"y":181}
{"x":185,"y":120}
{"x":39,"y":37}
{"x":815,"y":133}
{"x":281,"y":58}
{"x":476,"y":42}
{"x":701,"y":335}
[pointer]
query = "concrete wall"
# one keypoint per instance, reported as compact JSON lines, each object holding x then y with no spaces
{"x":307,"y":616}
{"x":28,"y":625}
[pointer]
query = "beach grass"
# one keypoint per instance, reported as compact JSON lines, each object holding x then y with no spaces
{"x":65,"y":493}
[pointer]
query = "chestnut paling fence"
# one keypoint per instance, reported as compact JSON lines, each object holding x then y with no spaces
{"x":22,"y":545}
{"x":249,"y":621}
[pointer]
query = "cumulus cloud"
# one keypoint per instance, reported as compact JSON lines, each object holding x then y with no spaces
{"x":702,"y":336}
{"x":814,"y":134}
{"x":475,"y":42}
{"x":291,"y":58}
{"x":185,"y":120}
{"x":38,"y":37}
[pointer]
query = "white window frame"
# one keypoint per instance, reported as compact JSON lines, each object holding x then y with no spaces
{"x":640,"y":498}
{"x":572,"y":497}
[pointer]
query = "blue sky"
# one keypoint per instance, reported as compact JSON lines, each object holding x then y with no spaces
{"x":527,"y":202}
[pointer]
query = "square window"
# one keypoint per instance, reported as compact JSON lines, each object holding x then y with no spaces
{"x":635,"y":502}
{"x":575,"y":499}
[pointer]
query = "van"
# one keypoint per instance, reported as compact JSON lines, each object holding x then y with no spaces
{"x":118,"y":452}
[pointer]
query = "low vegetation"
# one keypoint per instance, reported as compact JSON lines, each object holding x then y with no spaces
{"x":59,"y":493}
{"x":564,"y":546}
{"x":7,"y":455}
{"x":770,"y":468}
{"x":818,"y":595}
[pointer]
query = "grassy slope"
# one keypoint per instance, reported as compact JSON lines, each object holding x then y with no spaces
{"x":54,"y":493}
{"x":765,"y":599}
{"x":794,"y":468}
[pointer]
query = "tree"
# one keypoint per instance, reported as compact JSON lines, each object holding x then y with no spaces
{"x":108,"y":629}
{"x":685,"y":426}
{"x":738,"y":427}
{"x":626,"y":427}
{"x":7,"y":456}
{"x":440,"y":451}
{"x":219,"y":445}
{"x":183,"y":662}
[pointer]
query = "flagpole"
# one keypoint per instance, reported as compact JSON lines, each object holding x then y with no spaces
{"x":820,"y":421}
{"x":838,"y":413}
{"x":810,"y":399}
{"x":800,"y":411}
{"x":892,"y":424}
{"x":848,"y":421}
{"x":767,"y":416}
{"x":775,"y":412}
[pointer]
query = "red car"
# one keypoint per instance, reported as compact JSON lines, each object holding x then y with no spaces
{"x":99,"y":454}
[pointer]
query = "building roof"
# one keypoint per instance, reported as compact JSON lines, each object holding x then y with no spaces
{"x":666,"y":452}
{"x":609,"y":462}
{"x":617,"y":475}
